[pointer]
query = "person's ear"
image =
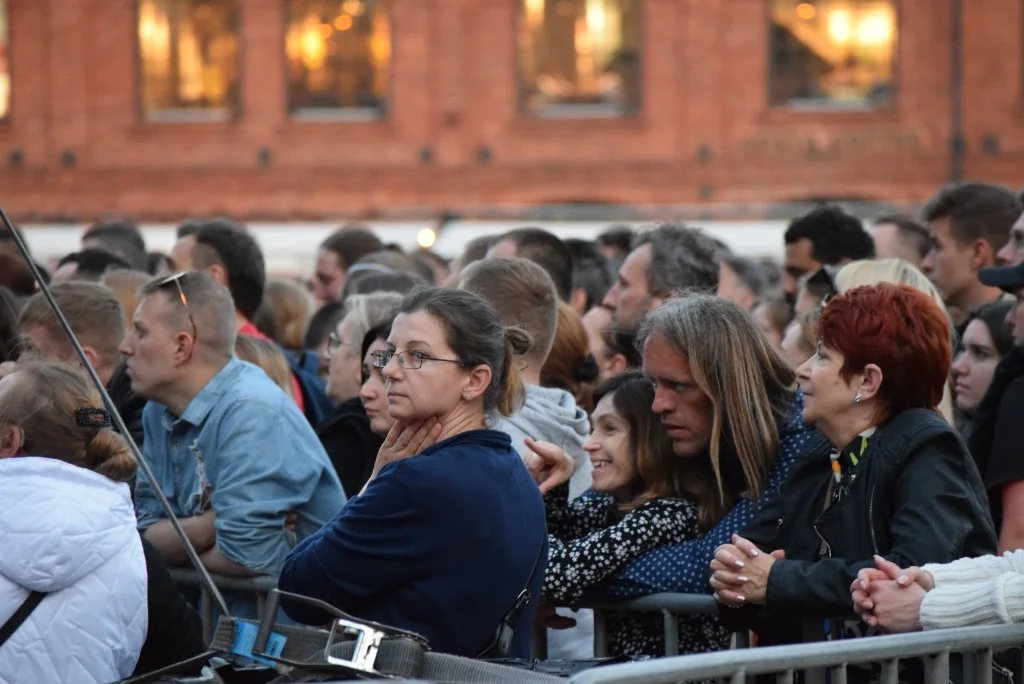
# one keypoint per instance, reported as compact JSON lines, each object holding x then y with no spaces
{"x":90,"y":353}
{"x":218,"y":273}
{"x":617,"y":364}
{"x":578,"y":301}
{"x":185,"y":346}
{"x":477,"y":380}
{"x":12,"y":442}
{"x":870,"y":382}
{"x":982,"y":254}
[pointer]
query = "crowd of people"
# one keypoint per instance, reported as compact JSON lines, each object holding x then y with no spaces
{"x":826,"y":446}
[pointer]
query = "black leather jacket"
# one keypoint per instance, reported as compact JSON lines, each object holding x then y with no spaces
{"x":917,"y":498}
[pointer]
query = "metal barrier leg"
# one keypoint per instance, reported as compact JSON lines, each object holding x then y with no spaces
{"x":890,"y":672}
{"x":600,"y":634}
{"x":983,"y":666}
{"x":739,"y":678}
{"x":839,"y":674}
{"x":784,"y":677}
{"x":936,"y":669}
{"x":206,"y":614}
{"x":742,"y":639}
{"x":671,"y":633}
{"x":261,"y":605}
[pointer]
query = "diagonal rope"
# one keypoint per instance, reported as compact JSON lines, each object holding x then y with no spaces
{"x":116,"y":417}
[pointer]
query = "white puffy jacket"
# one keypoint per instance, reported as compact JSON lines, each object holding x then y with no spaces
{"x":71,"y":533}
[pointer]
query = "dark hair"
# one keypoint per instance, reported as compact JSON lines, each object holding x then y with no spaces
{"x":993,"y":315}
{"x":835,"y":235}
{"x":592,"y":271}
{"x":16,"y":275}
{"x":619,"y":238}
{"x":323,"y":322}
{"x":155,"y":261}
{"x":976,"y":211}
{"x":476,"y":249}
{"x":549,"y":252}
{"x":93,"y":263}
{"x":367,"y":282}
{"x":682,"y":258}
{"x":5,"y":236}
{"x":748,"y":271}
{"x":351,"y":243}
{"x":8,"y":326}
{"x":911,"y":233}
{"x":380,"y":332}
{"x":624,"y":342}
{"x":122,"y":237}
{"x":476,"y":336}
{"x":222,"y":241}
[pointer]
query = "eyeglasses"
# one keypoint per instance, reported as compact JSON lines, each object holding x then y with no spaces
{"x":407,"y":360}
{"x":176,"y":279}
{"x":334,"y":343}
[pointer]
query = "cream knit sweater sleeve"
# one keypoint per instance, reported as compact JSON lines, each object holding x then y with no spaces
{"x":975,"y":591}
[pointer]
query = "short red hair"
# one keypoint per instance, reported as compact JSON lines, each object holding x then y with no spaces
{"x":901,"y":330}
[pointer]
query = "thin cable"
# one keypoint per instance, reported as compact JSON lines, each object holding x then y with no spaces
{"x":116,"y":417}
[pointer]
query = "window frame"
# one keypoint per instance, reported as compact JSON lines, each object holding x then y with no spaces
{"x":188,"y":115}
{"x":829,"y":107}
{"x":589,"y":111}
{"x":353,"y":115}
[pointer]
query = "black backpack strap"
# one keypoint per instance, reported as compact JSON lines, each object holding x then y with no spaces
{"x":20,"y":615}
{"x":502,"y":641}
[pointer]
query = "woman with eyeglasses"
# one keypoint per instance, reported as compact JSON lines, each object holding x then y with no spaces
{"x":450,"y":530}
{"x":345,"y":432}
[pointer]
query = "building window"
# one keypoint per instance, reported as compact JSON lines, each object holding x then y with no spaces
{"x":837,"y":54}
{"x":339,"y":58}
{"x":579,"y":57}
{"x":189,"y":54}
{"x":5,"y":64}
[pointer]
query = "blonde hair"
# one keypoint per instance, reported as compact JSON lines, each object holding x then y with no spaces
{"x":898,"y":272}
{"x":749,"y":385}
{"x":291,"y":307}
{"x":125,"y":286}
{"x":267,"y":356}
{"x":47,"y":413}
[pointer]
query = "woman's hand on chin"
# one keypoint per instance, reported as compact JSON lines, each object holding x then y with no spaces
{"x":406,"y":439}
{"x":549,"y":464}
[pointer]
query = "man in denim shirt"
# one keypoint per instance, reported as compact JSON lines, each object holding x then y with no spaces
{"x":231,"y":451}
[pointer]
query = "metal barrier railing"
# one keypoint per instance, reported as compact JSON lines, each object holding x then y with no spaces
{"x":671,"y":606}
{"x":259,"y":586}
{"x":977,"y":644}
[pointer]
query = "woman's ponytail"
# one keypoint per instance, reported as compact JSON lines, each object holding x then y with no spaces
{"x":108,"y":454}
{"x":512,"y":389}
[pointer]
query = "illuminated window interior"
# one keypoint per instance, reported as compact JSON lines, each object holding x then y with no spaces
{"x":5,"y":64}
{"x":339,"y":56}
{"x":189,"y":57}
{"x":579,"y":56}
{"x":833,"y":53}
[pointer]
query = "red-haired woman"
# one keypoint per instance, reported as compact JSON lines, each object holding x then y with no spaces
{"x":899,"y":482}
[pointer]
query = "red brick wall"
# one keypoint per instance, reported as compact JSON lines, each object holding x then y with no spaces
{"x":454,"y":91}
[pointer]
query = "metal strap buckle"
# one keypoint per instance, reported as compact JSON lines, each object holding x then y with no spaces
{"x":368,"y":641}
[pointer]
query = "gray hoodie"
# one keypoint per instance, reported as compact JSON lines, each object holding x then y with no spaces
{"x":551,"y":415}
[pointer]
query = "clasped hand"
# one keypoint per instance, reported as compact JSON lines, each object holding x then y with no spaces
{"x":740,"y":572}
{"x":890,"y":597}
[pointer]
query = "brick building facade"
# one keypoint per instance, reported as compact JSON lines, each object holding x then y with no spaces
{"x":455,"y":137}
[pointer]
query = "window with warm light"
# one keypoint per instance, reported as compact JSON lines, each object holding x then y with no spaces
{"x":188,"y":52}
{"x":833,"y":54}
{"x":579,"y":57}
{"x":5,"y":64}
{"x":339,"y":58}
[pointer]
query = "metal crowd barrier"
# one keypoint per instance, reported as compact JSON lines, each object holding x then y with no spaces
{"x":817,"y":660}
{"x":671,"y":607}
{"x":259,"y":586}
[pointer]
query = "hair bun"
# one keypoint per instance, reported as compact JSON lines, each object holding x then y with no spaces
{"x":518,"y":340}
{"x":588,"y":369}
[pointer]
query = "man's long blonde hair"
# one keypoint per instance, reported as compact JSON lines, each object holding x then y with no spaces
{"x":750,"y":387}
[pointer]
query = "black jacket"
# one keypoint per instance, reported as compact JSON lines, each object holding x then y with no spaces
{"x":175,"y":632}
{"x":916,"y":498}
{"x":350,"y":444}
{"x":128,"y":404}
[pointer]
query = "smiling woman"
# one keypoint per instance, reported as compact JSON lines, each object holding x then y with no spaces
{"x":450,"y":529}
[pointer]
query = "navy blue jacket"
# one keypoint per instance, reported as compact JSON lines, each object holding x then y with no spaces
{"x":440,"y":544}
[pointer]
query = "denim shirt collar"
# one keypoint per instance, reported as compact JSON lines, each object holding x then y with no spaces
{"x":201,"y":405}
